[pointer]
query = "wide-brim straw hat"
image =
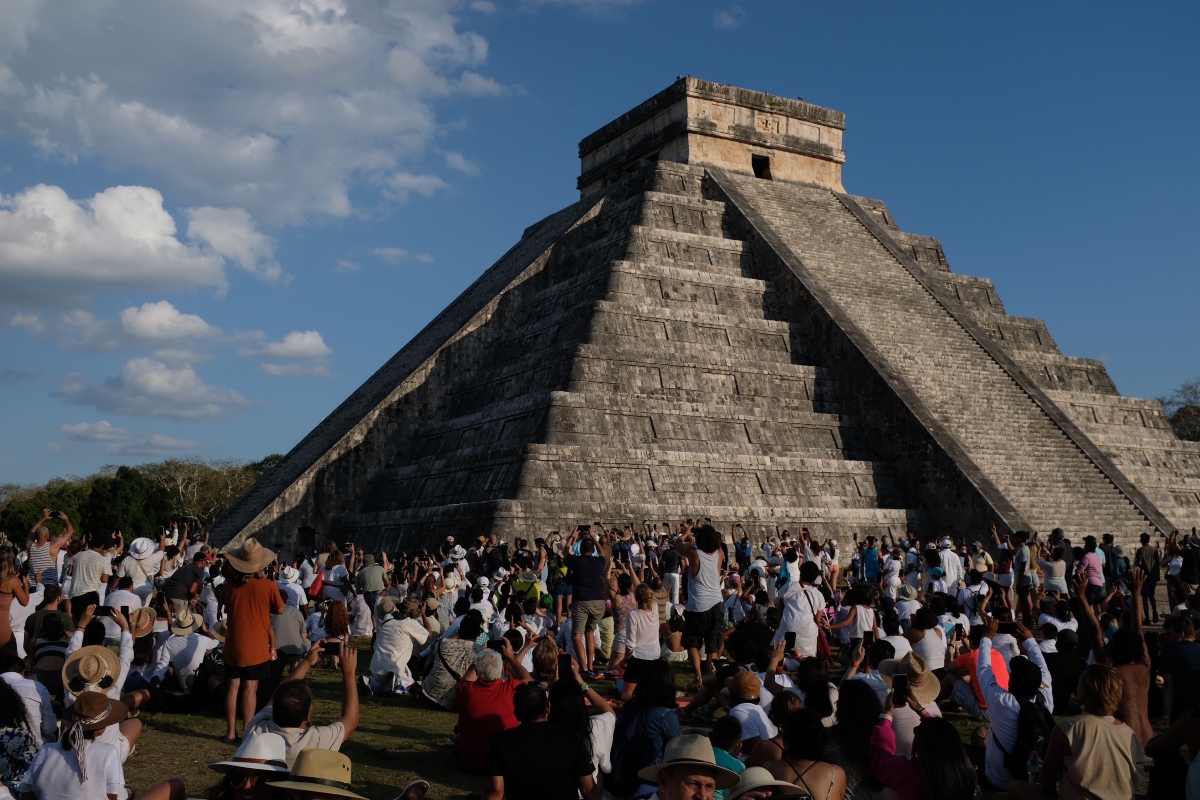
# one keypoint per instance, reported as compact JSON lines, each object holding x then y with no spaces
{"x":141,"y":548}
{"x":908,"y":592}
{"x":251,"y":557}
{"x":289,"y":575}
{"x":457,"y":552}
{"x":220,"y":630}
{"x":88,"y":667}
{"x":94,"y":711}
{"x":921,"y":680}
{"x":186,"y":623}
{"x":759,"y":778}
{"x":260,"y":751}
{"x":319,"y":772}
{"x":141,"y":621}
{"x":691,"y":749}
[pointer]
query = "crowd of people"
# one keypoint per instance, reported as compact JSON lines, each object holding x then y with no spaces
{"x":811,"y":671}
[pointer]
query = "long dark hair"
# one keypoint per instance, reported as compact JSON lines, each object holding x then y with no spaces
{"x":12,"y":709}
{"x":568,"y":709}
{"x":946,"y":772}
{"x":858,"y":711}
{"x":812,"y":678}
{"x":657,"y":686}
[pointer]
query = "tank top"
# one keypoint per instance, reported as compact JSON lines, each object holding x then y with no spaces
{"x":704,"y":588}
{"x":40,"y":561}
{"x":932,"y":648}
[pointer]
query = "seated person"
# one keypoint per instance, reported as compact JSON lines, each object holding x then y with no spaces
{"x":485,"y":704}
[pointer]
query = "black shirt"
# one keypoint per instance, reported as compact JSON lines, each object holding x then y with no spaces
{"x":176,"y":587}
{"x":540,"y":761}
{"x":670,"y":560}
{"x":1065,"y":669}
{"x":587,"y":576}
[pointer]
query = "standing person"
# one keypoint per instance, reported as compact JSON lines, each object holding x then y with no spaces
{"x":586,"y":572}
{"x":44,"y":550}
{"x":91,"y":570}
{"x":1023,"y":578}
{"x":143,"y":565}
{"x":702,"y":614}
{"x":370,"y":580}
{"x":1091,"y":566}
{"x":1180,"y":668}
{"x":250,"y":598}
{"x":642,"y":648}
{"x":12,"y":588}
{"x":183,"y":587}
{"x":951,"y":564}
{"x":801,"y":603}
{"x":1149,"y":562}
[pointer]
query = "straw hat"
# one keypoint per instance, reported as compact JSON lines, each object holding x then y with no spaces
{"x":691,"y":749}
{"x":529,"y":576}
{"x":141,"y":621}
{"x":185,"y":623}
{"x":921,"y":680}
{"x":93,"y":711}
{"x":744,"y":684}
{"x":141,"y":548}
{"x":758,"y":778}
{"x":220,"y":630}
{"x":262,"y":751}
{"x":457,"y":552}
{"x":91,"y":669}
{"x":908,"y":592}
{"x":320,"y":772}
{"x":385,"y":605}
{"x":251,"y":557}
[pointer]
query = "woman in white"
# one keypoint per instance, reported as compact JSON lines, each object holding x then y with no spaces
{"x":335,"y":576}
{"x":928,"y":639}
{"x":642,"y":639}
{"x":861,"y":617}
{"x":801,"y":604}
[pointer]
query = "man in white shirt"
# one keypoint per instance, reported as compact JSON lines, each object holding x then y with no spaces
{"x":744,"y":689}
{"x":951,"y":564}
{"x":362,"y":621}
{"x":1028,"y":679}
{"x":35,"y":696}
{"x":143,"y":564}
{"x":123,"y":597}
{"x":289,"y":581}
{"x":184,"y":650}
{"x":399,"y":630}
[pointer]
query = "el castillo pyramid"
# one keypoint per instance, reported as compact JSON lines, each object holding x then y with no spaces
{"x":717,"y":329}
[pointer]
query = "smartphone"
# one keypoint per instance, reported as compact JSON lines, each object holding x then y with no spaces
{"x":789,"y":639}
{"x":959,"y":631}
{"x":868,"y":639}
{"x":1007,"y":627}
{"x":496,"y":644}
{"x":899,"y":687}
{"x":564,"y":665}
{"x":585,"y":528}
{"x":331,"y":649}
{"x":125,"y":611}
{"x":731,"y":615}
{"x":103,"y":611}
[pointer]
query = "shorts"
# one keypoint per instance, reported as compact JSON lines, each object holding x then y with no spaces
{"x":561,"y":588}
{"x":255,"y":672}
{"x":586,"y":615}
{"x":635,"y":668}
{"x":703,"y":628}
{"x":1023,"y":591}
{"x":619,"y":643}
{"x":1094,"y":594}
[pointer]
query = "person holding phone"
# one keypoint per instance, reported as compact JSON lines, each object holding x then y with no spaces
{"x":803,"y":610}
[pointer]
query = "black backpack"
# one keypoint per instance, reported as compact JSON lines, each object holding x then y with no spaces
{"x":1034,"y":726}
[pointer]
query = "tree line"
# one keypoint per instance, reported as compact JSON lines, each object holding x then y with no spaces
{"x":134,"y":500}
{"x":1183,"y":409}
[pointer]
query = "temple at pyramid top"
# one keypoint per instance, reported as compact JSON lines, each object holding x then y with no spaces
{"x":699,"y":122}
{"x":718,"y":329}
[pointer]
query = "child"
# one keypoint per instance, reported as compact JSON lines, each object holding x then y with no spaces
{"x":726,"y":738}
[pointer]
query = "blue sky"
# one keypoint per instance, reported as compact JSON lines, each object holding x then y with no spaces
{"x":218,"y":218}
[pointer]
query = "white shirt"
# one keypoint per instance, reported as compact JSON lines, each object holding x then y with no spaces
{"x":754,"y":721}
{"x":38,"y":706}
{"x":17,"y":614}
{"x":641,"y":634}
{"x":905,"y":609}
{"x":117,"y":599}
{"x":142,"y":572}
{"x":334,"y":578}
{"x":1004,"y":709}
{"x":54,"y":774}
{"x":295,"y":595}
{"x":602,"y":727}
{"x":125,"y":656}
{"x":361,"y":622}
{"x":185,"y":654}
{"x":394,"y":639}
{"x":952,"y":566}
{"x":765,"y":698}
{"x":971,"y":599}
{"x":307,"y":575}
{"x":902,"y":646}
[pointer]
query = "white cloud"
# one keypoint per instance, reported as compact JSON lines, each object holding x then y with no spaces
{"x":394,"y":255}
{"x":484,"y":6}
{"x":728,"y":18}
{"x":151,"y":325}
{"x":298,"y":344}
{"x":400,"y":185}
{"x":459,"y":162}
{"x":161,"y":321}
{"x":289,"y":105}
{"x":347,"y":266}
{"x":30,"y":322}
{"x":318,"y":370}
{"x":147,"y":387}
{"x":102,"y":431}
{"x":55,"y":250}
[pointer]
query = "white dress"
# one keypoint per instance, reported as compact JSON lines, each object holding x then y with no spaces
{"x":799,"y":605}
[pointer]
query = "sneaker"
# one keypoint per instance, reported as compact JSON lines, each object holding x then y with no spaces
{"x":366,"y":683}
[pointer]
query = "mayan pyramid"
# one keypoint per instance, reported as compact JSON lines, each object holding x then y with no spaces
{"x":716,"y":329}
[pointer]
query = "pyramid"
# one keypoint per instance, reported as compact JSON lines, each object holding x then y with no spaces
{"x":717,"y":329}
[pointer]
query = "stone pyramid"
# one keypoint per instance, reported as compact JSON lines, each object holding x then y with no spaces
{"x":716,"y":329}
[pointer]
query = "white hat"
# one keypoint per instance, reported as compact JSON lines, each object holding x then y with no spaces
{"x":691,"y":749}
{"x":141,"y":547}
{"x":289,"y":575}
{"x":946,"y":543}
{"x":501,"y":574}
{"x":260,"y":751}
{"x":457,"y":552}
{"x":482,"y":581}
{"x":759,"y":778}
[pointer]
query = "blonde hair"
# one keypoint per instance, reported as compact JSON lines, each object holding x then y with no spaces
{"x":8,"y":563}
{"x":545,"y":659}
{"x":1099,"y":690}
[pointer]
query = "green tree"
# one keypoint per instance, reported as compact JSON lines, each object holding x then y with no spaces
{"x":1183,"y":409}
{"x":127,"y":501}
{"x":21,"y":506}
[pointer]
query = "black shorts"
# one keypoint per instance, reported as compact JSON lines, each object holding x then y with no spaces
{"x":1023,"y":591}
{"x":255,"y":672}
{"x":703,"y":629}
{"x":635,"y":668}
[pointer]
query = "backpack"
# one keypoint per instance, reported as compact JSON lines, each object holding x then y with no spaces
{"x":1034,"y":726}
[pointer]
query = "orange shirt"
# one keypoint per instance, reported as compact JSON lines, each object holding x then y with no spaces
{"x":250,"y":607}
{"x":967,"y":662}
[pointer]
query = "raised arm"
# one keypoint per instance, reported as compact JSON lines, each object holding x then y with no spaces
{"x":1089,"y":625}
